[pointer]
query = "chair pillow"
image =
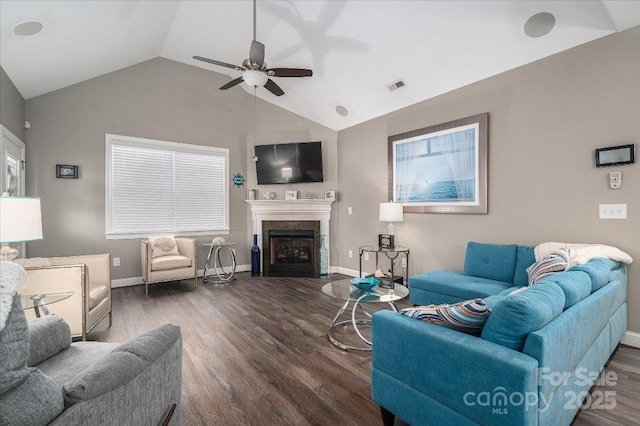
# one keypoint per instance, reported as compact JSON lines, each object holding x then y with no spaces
{"x":468,"y":316}
{"x":164,"y":245}
{"x":557,"y":261}
{"x":48,"y":335}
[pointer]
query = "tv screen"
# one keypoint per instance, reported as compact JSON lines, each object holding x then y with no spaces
{"x":289,"y":163}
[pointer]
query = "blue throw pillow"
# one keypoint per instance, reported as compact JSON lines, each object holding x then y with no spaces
{"x":468,"y":316}
{"x":491,"y":261}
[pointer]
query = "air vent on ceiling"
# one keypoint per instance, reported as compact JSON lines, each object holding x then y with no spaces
{"x":396,"y":85}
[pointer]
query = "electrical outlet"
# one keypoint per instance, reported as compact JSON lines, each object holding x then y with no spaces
{"x":350,"y":253}
{"x":366,"y":256}
{"x":404,"y":262}
{"x":116,"y":261}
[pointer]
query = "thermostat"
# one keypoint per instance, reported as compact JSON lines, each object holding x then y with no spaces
{"x":615,"y":180}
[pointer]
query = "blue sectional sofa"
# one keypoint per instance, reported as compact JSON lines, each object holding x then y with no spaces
{"x":539,"y":348}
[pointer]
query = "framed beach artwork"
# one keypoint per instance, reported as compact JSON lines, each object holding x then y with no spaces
{"x":441,"y":168}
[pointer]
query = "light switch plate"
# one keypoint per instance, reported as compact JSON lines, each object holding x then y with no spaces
{"x":613,"y":211}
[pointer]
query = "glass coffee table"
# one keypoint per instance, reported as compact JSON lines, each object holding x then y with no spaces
{"x":39,"y":301}
{"x":344,"y":290}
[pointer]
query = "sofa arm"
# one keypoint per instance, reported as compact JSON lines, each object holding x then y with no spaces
{"x":187,"y":247}
{"x":146,"y":399}
{"x":48,"y":335}
{"x":452,"y":369}
{"x":121,"y":365}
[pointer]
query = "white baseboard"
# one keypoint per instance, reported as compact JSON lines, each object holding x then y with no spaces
{"x":345,"y":271}
{"x":631,"y":338}
{"x":128,"y":282}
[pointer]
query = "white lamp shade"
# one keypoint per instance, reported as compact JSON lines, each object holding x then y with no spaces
{"x":20,"y":219}
{"x":391,"y":212}
{"x":255,"y":78}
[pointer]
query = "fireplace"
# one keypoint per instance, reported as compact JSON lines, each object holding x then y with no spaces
{"x":291,"y":248}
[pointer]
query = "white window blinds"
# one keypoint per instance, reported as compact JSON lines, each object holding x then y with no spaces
{"x":164,"y":187}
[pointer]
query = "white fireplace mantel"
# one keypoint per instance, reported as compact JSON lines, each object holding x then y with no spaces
{"x":291,"y":210}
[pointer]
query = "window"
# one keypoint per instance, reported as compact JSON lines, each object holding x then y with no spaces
{"x":156,"y":187}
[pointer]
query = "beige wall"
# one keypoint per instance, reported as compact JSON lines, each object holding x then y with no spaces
{"x":545,"y":120}
{"x":11,"y":106}
{"x":158,"y":99}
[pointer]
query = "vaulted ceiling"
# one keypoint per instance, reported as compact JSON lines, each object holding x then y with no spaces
{"x":356,"y":48}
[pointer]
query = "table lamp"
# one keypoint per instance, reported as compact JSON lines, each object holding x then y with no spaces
{"x":391,"y":212}
{"x":20,"y":221}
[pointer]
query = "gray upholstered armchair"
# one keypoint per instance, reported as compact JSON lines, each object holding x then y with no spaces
{"x":175,"y":262}
{"x":47,"y":379}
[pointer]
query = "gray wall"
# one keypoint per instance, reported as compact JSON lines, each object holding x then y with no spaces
{"x":157,"y":99}
{"x":545,"y":120}
{"x":11,"y":106}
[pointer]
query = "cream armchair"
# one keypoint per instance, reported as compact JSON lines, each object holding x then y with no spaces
{"x":169,"y":268}
{"x":88,"y":276}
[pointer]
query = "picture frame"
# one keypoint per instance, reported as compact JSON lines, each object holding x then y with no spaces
{"x":66,"y":171}
{"x":441,"y":168}
{"x":386,"y":241}
{"x":291,"y":195}
{"x":615,"y":155}
{"x":329,"y":195}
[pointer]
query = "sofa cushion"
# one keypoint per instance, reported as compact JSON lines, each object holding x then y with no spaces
{"x":557,"y":261}
{"x":468,"y":316}
{"x":120,"y":365}
{"x":48,"y":335}
{"x":37,"y":401}
{"x":14,"y":347}
{"x":452,"y":283}
{"x":164,"y":245}
{"x":170,"y":262}
{"x":599,"y":270}
{"x":525,"y":257}
{"x":515,"y":316}
{"x":576,"y":286}
{"x":491,"y":261}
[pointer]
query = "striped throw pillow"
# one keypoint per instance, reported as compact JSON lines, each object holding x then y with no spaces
{"x":468,"y":316}
{"x":554,"y":262}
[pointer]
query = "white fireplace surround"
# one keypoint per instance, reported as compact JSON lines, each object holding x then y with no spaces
{"x":291,"y":210}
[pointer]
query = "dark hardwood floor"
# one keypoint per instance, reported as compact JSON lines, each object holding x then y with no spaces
{"x":256,"y":352}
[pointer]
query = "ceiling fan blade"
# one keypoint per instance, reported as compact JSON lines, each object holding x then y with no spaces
{"x":290,"y":72}
{"x":222,"y":64}
{"x":256,"y":54}
{"x":271,"y":86}
{"x":232,"y":83}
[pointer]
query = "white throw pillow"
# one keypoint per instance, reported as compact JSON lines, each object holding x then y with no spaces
{"x":163,"y":245}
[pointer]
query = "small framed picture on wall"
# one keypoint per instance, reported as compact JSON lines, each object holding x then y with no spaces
{"x":66,"y":172}
{"x":291,"y":195}
{"x":329,"y":195}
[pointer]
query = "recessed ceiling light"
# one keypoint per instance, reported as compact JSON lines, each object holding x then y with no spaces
{"x":342,"y":111}
{"x":539,"y":24}
{"x":27,"y":28}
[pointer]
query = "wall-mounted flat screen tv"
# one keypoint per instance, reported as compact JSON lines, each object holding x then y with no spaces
{"x":289,"y":163}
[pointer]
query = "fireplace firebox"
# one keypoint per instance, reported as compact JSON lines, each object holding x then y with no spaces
{"x":291,"y":248}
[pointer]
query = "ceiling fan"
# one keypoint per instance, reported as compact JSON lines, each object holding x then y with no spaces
{"x":254,"y":69}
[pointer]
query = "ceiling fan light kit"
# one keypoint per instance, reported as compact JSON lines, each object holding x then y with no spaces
{"x":255,"y":78}
{"x":254,"y":70}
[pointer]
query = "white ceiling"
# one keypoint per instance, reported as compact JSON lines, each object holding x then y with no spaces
{"x":355,"y":48}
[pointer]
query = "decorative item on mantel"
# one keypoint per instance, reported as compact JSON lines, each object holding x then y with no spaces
{"x":255,"y":257}
{"x":251,"y":194}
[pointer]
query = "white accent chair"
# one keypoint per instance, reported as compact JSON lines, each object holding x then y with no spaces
{"x":172,"y":267}
{"x":88,"y":276}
